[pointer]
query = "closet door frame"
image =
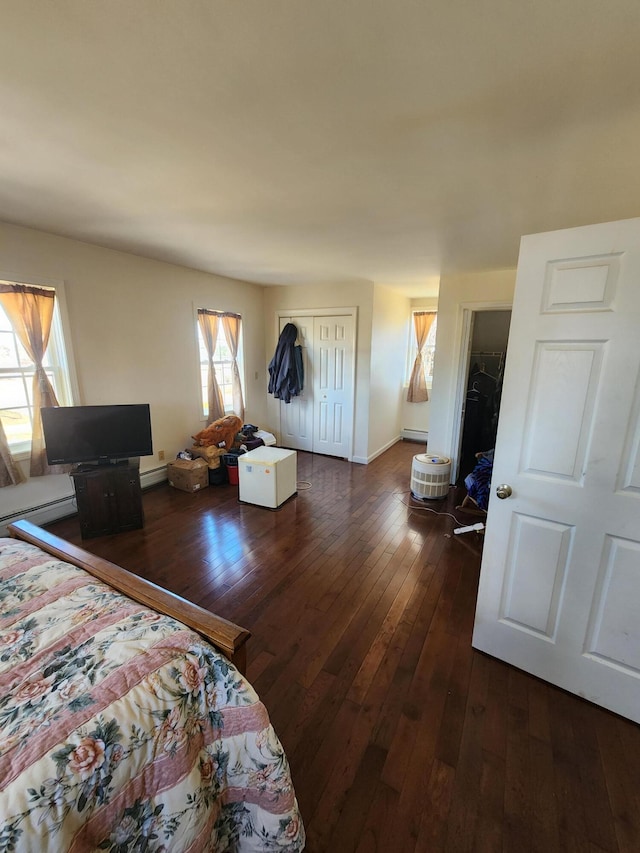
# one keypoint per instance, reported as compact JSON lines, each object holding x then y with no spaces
{"x":342,"y":311}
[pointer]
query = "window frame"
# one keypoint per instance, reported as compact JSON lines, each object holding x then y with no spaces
{"x":66,"y":382}
{"x":412,"y":349}
{"x":203,"y":366}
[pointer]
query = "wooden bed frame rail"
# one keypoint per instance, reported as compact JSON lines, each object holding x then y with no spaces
{"x":229,"y":638}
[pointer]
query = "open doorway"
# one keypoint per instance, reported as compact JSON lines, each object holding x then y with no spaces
{"x":486,"y":355}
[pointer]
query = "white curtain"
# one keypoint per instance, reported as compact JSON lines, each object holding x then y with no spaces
{"x":30,"y":310}
{"x":209,"y":323}
{"x":231,"y":325}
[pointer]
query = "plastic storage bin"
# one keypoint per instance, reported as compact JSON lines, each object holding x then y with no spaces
{"x":230,"y":462}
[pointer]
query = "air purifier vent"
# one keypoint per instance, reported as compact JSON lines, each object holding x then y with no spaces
{"x":430,"y":476}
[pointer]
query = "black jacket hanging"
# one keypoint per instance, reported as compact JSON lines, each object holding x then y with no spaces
{"x":286,"y":371}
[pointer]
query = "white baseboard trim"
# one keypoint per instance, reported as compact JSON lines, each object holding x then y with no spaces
{"x":364,"y":460}
{"x":416,"y":434}
{"x":65,"y":506}
{"x":43,"y":514}
{"x":153,"y":477}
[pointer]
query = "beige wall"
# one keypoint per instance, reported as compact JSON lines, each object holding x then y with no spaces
{"x":133,"y":335}
{"x":457,"y":292}
{"x":349,"y":294}
{"x":390,"y":320}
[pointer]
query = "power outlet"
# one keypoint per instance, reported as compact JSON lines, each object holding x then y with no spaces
{"x":161,"y":455}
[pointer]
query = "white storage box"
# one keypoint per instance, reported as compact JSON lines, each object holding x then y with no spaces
{"x":267,"y":476}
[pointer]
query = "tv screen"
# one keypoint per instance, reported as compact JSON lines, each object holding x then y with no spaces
{"x":96,"y":433}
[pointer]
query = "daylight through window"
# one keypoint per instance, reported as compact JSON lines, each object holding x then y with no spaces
{"x":223,"y":365}
{"x":16,"y":380}
{"x":428,"y":352}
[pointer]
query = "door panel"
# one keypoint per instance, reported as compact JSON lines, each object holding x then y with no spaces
{"x":629,"y":477}
{"x":296,"y":417}
{"x":333,"y":388}
{"x":296,"y":422}
{"x":560,"y":576}
{"x":535,"y":573}
{"x":563,"y":388}
{"x":614,"y":630}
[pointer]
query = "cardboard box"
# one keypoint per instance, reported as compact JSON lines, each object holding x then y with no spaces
{"x":211,"y":455}
{"x":189,"y":475}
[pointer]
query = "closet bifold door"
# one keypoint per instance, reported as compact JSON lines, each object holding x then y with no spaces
{"x":332,"y":385}
{"x":296,"y":417}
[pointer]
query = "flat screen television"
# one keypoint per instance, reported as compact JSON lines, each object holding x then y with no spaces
{"x":97,"y":434}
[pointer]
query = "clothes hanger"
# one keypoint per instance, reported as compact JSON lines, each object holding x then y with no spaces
{"x":480,"y":371}
{"x":473,"y":393}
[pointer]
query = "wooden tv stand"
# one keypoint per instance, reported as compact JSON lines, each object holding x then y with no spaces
{"x":109,"y":498}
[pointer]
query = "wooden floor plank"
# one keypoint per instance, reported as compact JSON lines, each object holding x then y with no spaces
{"x":623,"y":795}
{"x":348,"y":830}
{"x":465,"y":792}
{"x":382,"y":815}
{"x":489,"y":828}
{"x":518,"y":814}
{"x":566,"y":765}
{"x":434,"y":824}
{"x":599,"y":820}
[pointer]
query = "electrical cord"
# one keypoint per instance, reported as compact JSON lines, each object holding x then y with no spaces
{"x":418,"y":507}
{"x":303,"y":485}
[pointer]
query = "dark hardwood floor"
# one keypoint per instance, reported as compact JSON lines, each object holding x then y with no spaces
{"x":400,"y":736}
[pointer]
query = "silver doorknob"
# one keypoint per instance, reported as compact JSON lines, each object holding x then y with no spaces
{"x":503,"y":491}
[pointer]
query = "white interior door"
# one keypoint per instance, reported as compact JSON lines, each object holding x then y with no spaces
{"x":296,"y":417}
{"x":560,"y":579}
{"x":333,"y":385}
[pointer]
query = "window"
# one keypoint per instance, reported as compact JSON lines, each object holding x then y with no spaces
{"x":428,"y":352}
{"x":16,"y":379}
{"x":223,"y":365}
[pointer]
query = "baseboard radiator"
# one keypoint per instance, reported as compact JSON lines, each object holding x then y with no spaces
{"x":415,"y":435}
{"x":62,"y":507}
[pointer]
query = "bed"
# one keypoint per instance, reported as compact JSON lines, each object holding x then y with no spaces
{"x":126,"y":723}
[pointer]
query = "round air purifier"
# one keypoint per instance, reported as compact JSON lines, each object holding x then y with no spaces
{"x":430,"y":475}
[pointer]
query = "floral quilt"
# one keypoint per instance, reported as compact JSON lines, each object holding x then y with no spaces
{"x":122,"y":730}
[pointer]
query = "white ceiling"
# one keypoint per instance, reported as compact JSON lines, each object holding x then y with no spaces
{"x":311,"y":141}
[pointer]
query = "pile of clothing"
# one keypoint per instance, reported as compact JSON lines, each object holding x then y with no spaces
{"x":478,"y":482}
{"x":226,"y":435}
{"x":252,"y":436}
{"x":220,"y":444}
{"x":286,"y":369}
